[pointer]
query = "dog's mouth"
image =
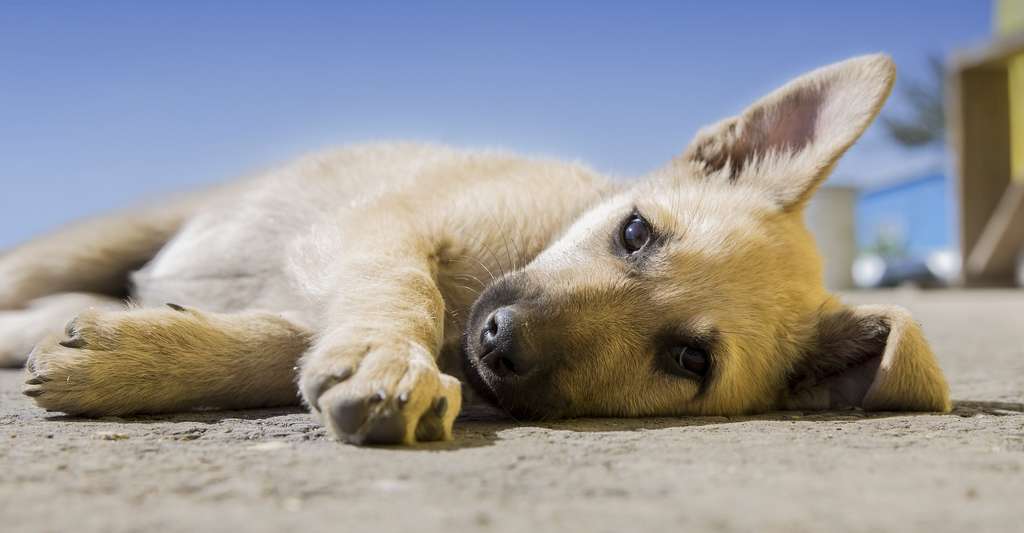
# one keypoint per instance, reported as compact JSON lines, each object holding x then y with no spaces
{"x":522,"y":399}
{"x":474,"y":373}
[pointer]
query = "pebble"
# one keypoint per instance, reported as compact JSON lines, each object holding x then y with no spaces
{"x":268,"y":446}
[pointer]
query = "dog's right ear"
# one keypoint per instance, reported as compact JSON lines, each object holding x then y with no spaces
{"x":873,"y":357}
{"x":787,"y":143}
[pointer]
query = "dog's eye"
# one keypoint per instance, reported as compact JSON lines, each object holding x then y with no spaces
{"x":635,"y":234}
{"x":690,"y":359}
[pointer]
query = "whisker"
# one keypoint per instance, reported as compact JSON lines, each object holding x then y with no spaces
{"x":503,"y":234}
{"x":489,"y":273}
{"x":470,"y":277}
{"x":475,"y":292}
{"x":494,"y":257}
{"x":482,"y":265}
{"x":508,"y":254}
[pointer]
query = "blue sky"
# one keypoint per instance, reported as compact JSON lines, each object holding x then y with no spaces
{"x":103,"y":103}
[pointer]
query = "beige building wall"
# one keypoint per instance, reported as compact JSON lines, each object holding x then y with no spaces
{"x":1009,"y":16}
{"x":830,"y":217}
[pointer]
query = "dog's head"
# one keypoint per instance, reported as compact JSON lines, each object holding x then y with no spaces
{"x":699,"y":291}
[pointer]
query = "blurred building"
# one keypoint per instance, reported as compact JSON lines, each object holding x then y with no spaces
{"x":910,"y":218}
{"x":830,"y":218}
{"x":985,"y":111}
{"x":905,"y":233}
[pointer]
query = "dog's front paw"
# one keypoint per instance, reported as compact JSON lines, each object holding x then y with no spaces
{"x":381,"y":394}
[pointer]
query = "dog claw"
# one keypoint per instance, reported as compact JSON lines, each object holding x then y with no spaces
{"x":177,"y":307}
{"x":378,"y":396}
{"x":36,"y":380}
{"x":403,"y":398}
{"x":76,"y":342}
{"x":33,"y":393}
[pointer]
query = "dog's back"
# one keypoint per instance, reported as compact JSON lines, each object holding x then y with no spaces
{"x":251,"y":250}
{"x":250,"y":243}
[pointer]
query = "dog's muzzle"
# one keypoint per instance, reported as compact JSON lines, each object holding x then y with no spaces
{"x":500,"y":356}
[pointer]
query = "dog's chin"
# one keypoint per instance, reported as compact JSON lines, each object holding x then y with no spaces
{"x":500,"y":395}
{"x":478,"y":379}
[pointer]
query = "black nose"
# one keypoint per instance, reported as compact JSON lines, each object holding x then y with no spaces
{"x":499,"y":344}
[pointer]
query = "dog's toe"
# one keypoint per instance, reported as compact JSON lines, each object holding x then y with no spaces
{"x":313,"y":387}
{"x":349,"y":413}
{"x":388,"y":427}
{"x":374,"y":418}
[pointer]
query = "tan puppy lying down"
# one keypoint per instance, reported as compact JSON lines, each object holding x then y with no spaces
{"x":363,"y":280}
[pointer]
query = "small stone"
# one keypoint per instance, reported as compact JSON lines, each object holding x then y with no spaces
{"x":110,"y":435}
{"x":268,"y":446}
{"x":292,"y":504}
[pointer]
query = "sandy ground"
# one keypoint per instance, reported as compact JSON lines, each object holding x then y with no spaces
{"x":275,"y":470}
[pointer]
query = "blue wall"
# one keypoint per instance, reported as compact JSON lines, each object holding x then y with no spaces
{"x":918,"y":212}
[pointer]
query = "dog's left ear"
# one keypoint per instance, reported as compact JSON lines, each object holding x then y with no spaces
{"x":873,"y":357}
{"x":787,"y":142}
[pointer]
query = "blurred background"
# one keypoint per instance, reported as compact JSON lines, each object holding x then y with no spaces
{"x":106,"y":103}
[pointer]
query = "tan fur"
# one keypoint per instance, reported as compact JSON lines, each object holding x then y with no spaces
{"x":166,"y":360}
{"x":95,"y":255}
{"x":383,"y":256}
{"x":909,"y":377}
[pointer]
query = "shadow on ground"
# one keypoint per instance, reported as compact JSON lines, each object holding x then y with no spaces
{"x":491,"y":422}
{"x":480,"y":426}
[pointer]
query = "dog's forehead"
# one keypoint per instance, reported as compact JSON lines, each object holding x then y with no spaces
{"x":696,"y":217}
{"x":588,"y":228}
{"x":707,"y":218}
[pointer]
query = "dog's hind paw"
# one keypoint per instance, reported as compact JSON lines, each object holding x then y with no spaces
{"x":57,"y":375}
{"x":107,"y":363}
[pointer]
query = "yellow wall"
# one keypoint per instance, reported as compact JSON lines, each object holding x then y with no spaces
{"x":1010,"y":19}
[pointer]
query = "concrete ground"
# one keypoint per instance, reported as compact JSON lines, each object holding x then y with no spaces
{"x":274,"y":470}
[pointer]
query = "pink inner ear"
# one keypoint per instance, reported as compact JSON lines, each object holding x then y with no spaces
{"x":849,"y":388}
{"x":789,"y":125}
{"x":787,"y":142}
{"x":786,"y":126}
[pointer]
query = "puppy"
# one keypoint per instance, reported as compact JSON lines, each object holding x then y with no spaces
{"x":366,"y":281}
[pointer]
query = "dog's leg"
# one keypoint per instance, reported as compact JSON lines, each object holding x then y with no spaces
{"x":22,"y":329}
{"x":167,"y":360}
{"x":95,"y":255}
{"x":373,"y":374}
